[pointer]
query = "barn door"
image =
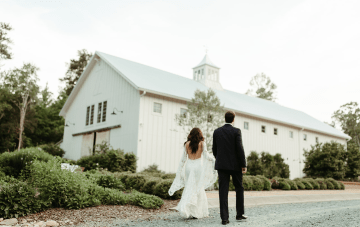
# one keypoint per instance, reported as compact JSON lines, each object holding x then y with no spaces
{"x":87,"y":144}
{"x":103,"y":136}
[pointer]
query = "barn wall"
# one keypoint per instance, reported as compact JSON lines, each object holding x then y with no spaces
{"x":104,"y":84}
{"x":161,"y":140}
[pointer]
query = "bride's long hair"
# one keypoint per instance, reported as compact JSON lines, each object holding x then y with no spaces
{"x":194,"y":137}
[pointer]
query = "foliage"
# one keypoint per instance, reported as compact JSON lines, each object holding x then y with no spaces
{"x":325,"y":160}
{"x":53,"y":149}
{"x":149,"y":186}
{"x":105,"y":180}
{"x":247,"y":183}
{"x":12,"y":163}
{"x":145,"y":201}
{"x":75,"y":68}
{"x":22,"y":82}
{"x":19,"y":199}
{"x":333,"y":182}
{"x":266,"y":181}
{"x":112,"y":160}
{"x":5,"y":41}
{"x":205,"y":112}
{"x":329,"y":184}
{"x":268,"y":165}
{"x":342,"y":186}
{"x":306,"y":183}
{"x":321,"y":182}
{"x":352,"y":168}
{"x":162,"y":190}
{"x":314,"y":183}
{"x":300,"y":184}
{"x":257,"y":183}
{"x":263,"y":87}
{"x":284,"y":185}
{"x":153,"y":169}
{"x":135,"y":181}
{"x":349,"y":118}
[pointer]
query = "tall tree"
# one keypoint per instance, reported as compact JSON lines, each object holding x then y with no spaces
{"x":5,"y":41}
{"x":22,"y":83}
{"x":349,"y":118}
{"x":75,"y":69}
{"x":4,"y":104}
{"x":205,"y":112}
{"x":262,"y":87}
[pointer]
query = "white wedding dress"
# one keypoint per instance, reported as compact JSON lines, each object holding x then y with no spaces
{"x":195,"y":175}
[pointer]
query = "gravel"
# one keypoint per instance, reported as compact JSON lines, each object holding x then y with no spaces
{"x":333,"y":213}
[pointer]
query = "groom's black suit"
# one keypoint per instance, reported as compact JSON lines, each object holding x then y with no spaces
{"x":230,"y":159}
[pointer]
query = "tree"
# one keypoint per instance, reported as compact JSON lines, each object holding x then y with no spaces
{"x":349,"y":118}
{"x":263,"y":87}
{"x":22,"y":83}
{"x":4,"y":104}
{"x":352,"y":161}
{"x":5,"y":41}
{"x":75,"y":69}
{"x":205,"y":112}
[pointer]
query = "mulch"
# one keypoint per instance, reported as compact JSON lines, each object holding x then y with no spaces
{"x":103,"y":213}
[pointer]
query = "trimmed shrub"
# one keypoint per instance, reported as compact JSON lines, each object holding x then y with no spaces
{"x":12,"y":163}
{"x":135,"y":181}
{"x":329,"y":185}
{"x":53,"y":149}
{"x":153,"y":169}
{"x":268,"y":165}
{"x":342,"y":186}
{"x":334,"y":182}
{"x":267,"y":183}
{"x":300,"y":184}
{"x":322,"y":183}
{"x":258,"y":184}
{"x":247,"y":183}
{"x":145,"y":201}
{"x":149,"y":186}
{"x":292,"y":184}
{"x":307,"y":184}
{"x":109,"y":181}
{"x":169,"y":176}
{"x":314,"y":183}
{"x":162,"y":190}
{"x":112,"y":160}
{"x":254,"y":164}
{"x":284,"y":185}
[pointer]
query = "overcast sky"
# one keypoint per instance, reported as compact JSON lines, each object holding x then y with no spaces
{"x":309,"y":48}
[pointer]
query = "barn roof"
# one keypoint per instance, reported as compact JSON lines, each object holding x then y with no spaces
{"x":160,"y":82}
{"x":206,"y":61}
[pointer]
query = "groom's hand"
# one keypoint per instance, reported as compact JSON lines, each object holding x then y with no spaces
{"x":244,"y":170}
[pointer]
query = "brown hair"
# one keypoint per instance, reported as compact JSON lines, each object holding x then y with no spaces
{"x":194,"y":137}
{"x":229,"y":116}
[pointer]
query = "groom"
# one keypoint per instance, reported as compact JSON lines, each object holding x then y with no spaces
{"x":230,"y":160}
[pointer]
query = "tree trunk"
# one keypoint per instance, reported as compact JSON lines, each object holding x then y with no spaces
{"x":21,"y":129}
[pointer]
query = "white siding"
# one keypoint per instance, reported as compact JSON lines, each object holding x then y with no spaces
{"x":104,"y":84}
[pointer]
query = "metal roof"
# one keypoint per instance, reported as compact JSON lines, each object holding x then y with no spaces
{"x":168,"y":84}
{"x":206,"y":61}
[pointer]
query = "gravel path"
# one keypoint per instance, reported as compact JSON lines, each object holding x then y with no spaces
{"x":334,"y":213}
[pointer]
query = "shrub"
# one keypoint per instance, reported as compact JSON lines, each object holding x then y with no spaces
{"x":300,"y":184}
{"x":352,"y":167}
{"x":267,"y":183}
{"x":12,"y":163}
{"x":53,"y":149}
{"x":112,"y":160}
{"x":162,"y":189}
{"x":19,"y":199}
{"x":314,"y":183}
{"x":325,"y":160}
{"x":329,"y":185}
{"x":268,"y":165}
{"x":307,"y":184}
{"x":258,"y":184}
{"x":342,"y":186}
{"x":247,"y":183}
{"x":334,"y":182}
{"x":284,"y":185}
{"x":145,"y":201}
{"x":149,"y":186}
{"x":292,"y":184}
{"x":109,"y":181}
{"x":321,"y":182}
{"x":254,"y":164}
{"x":169,"y":176}
{"x":153,"y":169}
{"x":135,"y":181}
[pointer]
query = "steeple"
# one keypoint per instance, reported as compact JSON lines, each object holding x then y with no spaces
{"x":207,"y":73}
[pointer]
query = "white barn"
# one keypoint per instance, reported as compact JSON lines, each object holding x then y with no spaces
{"x":132,"y":106}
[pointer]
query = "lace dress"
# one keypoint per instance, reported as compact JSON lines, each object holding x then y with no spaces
{"x":195,"y":175}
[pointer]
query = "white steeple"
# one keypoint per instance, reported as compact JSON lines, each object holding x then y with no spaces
{"x":207,"y":73}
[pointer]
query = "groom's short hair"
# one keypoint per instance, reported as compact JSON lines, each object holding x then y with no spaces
{"x":229,"y":116}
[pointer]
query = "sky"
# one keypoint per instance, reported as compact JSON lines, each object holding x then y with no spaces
{"x":309,"y":48}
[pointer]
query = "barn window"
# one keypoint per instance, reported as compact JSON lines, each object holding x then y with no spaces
{"x":104,"y":111}
{"x":157,"y":107}
{"x":92,"y":114}
{"x":99,"y":112}
{"x":291,"y":134}
{"x":183,"y":112}
{"x":246,"y":125}
{"x":305,"y":137}
{"x":275,"y":131}
{"x":263,"y":128}
{"x":317,"y":139}
{"x":87,"y":115}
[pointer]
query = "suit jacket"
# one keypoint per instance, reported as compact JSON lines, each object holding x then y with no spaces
{"x":228,"y":148}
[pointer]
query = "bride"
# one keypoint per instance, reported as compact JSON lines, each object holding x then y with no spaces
{"x":195,"y":173}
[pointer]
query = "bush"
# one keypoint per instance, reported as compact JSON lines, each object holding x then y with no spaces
{"x":254,"y":164}
{"x":325,"y":160}
{"x":300,"y":184}
{"x":247,"y":183}
{"x":335,"y":183}
{"x":135,"y":181}
{"x":169,"y":176}
{"x":284,"y":185}
{"x":267,"y":183}
{"x":112,"y":160}
{"x":307,"y":184}
{"x":12,"y":163}
{"x":342,"y":186}
{"x":321,"y":182}
{"x":109,"y":181}
{"x":149,"y":186}
{"x":145,"y":201}
{"x":152,"y":169}
{"x":162,"y":190}
{"x":352,"y":168}
{"x":329,"y":185}
{"x":258,"y":184}
{"x":314,"y":183}
{"x":19,"y":199}
{"x":53,"y":149}
{"x":292,"y":184}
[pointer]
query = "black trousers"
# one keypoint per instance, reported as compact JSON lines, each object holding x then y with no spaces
{"x":224,"y":179}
